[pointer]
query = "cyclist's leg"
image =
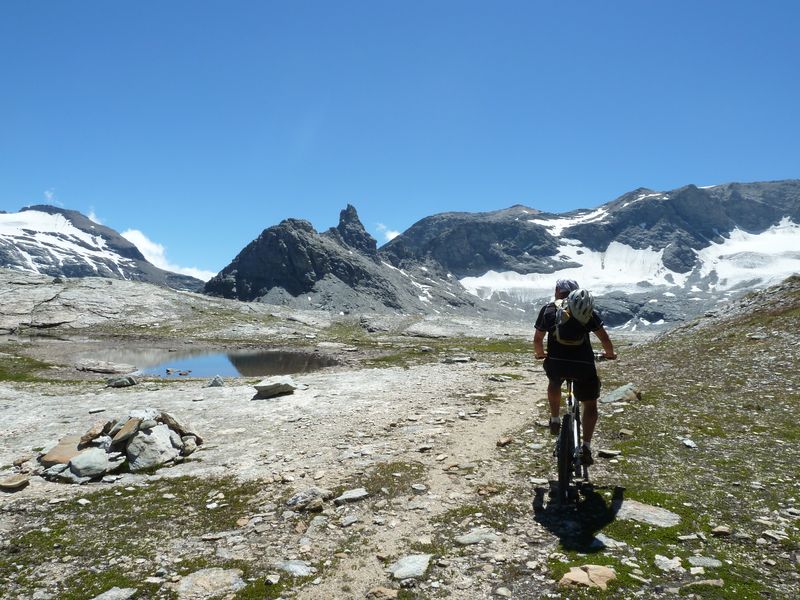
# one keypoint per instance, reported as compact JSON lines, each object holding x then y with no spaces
{"x":554,"y":397}
{"x":588,"y":391}
{"x":589,"y":420}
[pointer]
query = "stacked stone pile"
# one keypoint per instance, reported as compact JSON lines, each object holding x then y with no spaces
{"x":145,"y":439}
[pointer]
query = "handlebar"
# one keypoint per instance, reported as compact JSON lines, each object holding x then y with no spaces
{"x":598,"y":357}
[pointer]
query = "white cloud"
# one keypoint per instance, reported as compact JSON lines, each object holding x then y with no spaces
{"x":93,"y":216}
{"x":388,"y":234}
{"x":50,"y":196}
{"x":156,"y":254}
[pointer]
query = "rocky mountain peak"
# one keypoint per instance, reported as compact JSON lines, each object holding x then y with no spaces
{"x":351,"y":231}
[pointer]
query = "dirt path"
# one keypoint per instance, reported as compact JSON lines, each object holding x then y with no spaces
{"x":385,"y":429}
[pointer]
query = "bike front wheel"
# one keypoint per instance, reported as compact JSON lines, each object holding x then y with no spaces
{"x":565,"y":458}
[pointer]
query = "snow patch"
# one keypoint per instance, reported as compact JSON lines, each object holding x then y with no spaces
{"x":745,"y":258}
{"x":557,"y":225}
{"x":619,"y":267}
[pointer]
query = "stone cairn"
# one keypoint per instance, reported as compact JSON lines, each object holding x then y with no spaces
{"x":144,"y":439}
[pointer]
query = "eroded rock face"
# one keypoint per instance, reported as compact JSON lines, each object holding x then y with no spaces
{"x":292,"y":264}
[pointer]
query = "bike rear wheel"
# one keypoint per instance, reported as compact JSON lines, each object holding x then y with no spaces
{"x":565,"y":458}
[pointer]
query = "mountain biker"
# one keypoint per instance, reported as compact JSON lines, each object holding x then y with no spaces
{"x":573,"y":358}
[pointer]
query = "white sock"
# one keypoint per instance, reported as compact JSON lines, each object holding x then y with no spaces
{"x":555,"y":420}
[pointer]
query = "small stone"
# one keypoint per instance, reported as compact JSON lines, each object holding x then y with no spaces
{"x":62,"y":452}
{"x":419,"y":488}
{"x":689,"y":443}
{"x":210,"y":583}
{"x":593,"y":576}
{"x":721,"y":531}
{"x":476,"y":536}
{"x":702,"y":561}
{"x":606,"y":453}
{"x":410,"y":567}
{"x":349,"y":520}
{"x":116,"y":593}
{"x":503,"y":592}
{"x":351,"y":496}
{"x":704,"y":582}
{"x":216,"y":382}
{"x":668,"y":564}
{"x":644,"y":513}
{"x":382,"y":593}
{"x":297,"y":568}
{"x":272,"y":579}
{"x":502,"y":443}
{"x":14,"y":483}
{"x":94,"y":411}
{"x":625,"y":432}
{"x":83,"y":501}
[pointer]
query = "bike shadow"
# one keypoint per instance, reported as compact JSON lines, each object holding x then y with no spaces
{"x":577,"y":524}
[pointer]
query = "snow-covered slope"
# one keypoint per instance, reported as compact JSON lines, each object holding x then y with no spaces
{"x":652,"y":255}
{"x":739,"y":260}
{"x":64,"y":243}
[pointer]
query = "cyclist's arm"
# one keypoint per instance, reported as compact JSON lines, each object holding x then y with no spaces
{"x":608,"y":347}
{"x":538,"y":344}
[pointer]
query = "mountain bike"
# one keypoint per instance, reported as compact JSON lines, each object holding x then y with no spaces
{"x":568,"y":445}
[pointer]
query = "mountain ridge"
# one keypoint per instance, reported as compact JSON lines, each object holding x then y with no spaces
{"x":60,"y":242}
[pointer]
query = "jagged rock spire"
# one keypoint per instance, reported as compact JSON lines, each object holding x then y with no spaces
{"x":352,"y":232}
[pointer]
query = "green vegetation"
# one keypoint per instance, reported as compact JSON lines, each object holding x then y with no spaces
{"x":19,"y":368}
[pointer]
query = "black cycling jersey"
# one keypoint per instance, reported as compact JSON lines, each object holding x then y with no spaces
{"x":546,"y":321}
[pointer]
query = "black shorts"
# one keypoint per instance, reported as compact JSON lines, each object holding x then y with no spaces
{"x":587,"y":383}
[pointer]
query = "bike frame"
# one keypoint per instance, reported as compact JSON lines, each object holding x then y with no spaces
{"x":574,"y":407}
{"x":568,"y":450}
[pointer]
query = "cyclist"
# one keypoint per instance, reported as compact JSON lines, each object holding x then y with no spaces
{"x":570,"y":355}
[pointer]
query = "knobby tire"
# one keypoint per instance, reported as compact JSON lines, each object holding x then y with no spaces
{"x":565,"y":458}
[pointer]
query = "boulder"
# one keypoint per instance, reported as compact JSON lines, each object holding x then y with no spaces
{"x":101,"y":366}
{"x":275,"y":386}
{"x":189,"y":445}
{"x":626,"y":393}
{"x":95,"y":431}
{"x":216,"y":382}
{"x":63,"y":452}
{"x":128,"y":430}
{"x":151,"y":448}
{"x":121,"y":382}
{"x":181,"y":427}
{"x":91,"y":463}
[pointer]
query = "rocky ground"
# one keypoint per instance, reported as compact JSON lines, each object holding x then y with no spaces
{"x":417,"y":468}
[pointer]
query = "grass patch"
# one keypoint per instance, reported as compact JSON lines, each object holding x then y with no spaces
{"x":18,"y":368}
{"x":120,"y":524}
{"x":389,"y":479}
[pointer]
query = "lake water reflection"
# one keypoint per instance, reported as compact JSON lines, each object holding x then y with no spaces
{"x":249,"y":364}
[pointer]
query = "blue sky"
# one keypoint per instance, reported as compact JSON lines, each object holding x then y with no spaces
{"x":201,"y":123}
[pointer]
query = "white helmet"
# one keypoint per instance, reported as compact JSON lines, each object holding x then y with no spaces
{"x":581,"y":305}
